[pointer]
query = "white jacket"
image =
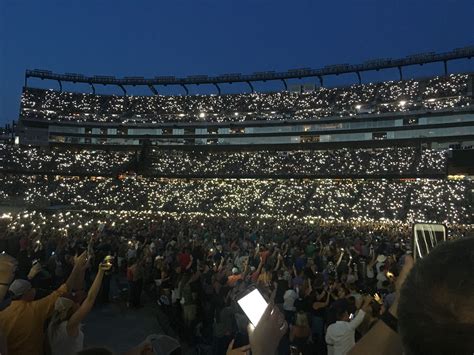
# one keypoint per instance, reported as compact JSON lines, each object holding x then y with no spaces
{"x":340,"y":335}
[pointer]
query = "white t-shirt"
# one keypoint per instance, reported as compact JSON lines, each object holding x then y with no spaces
{"x":340,"y":336}
{"x":370,"y":272}
{"x":64,"y":344}
{"x":380,"y":274}
{"x":289,"y":298}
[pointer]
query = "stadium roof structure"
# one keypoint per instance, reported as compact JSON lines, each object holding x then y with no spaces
{"x":337,"y":69}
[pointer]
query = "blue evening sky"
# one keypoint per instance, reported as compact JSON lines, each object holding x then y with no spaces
{"x":188,"y":37}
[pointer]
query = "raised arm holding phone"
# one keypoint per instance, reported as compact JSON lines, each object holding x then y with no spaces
{"x":64,"y":333}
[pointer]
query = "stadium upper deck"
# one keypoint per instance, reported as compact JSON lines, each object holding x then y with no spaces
{"x":406,"y":112}
{"x":387,"y":97}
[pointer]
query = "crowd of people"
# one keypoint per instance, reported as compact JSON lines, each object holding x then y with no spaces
{"x":391,"y":96}
{"x":343,"y":162}
{"x":329,"y":255}
{"x":435,"y":200}
{"x":63,"y":161}
{"x":329,"y":282}
{"x":338,"y":162}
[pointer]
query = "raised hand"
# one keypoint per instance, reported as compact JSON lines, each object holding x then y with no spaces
{"x":35,"y":270}
{"x":105,"y":266}
{"x":264,"y":338}
{"x":80,"y":261}
{"x":407,"y":266}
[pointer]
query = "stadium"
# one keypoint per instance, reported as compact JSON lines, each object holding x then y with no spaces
{"x":396,"y":138}
{"x":292,"y":174}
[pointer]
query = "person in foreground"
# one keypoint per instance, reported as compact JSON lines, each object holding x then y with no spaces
{"x":340,"y":336}
{"x":434,"y":306}
{"x":8,"y":267}
{"x":22,"y":322}
{"x":64,"y":331}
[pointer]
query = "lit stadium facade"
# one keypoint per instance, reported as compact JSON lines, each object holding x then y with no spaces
{"x":440,"y":128}
{"x":437,"y":111}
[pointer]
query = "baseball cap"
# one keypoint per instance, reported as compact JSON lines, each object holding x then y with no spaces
{"x":20,"y":287}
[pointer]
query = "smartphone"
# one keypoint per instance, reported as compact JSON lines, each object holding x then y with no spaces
{"x":377,"y":298}
{"x":109,"y":260}
{"x":253,"y":304}
{"x":427,"y":236}
{"x":351,"y":316}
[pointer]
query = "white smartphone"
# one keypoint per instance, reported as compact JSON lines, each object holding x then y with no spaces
{"x":253,"y":304}
{"x":426,"y":236}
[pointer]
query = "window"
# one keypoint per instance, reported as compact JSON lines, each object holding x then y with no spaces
{"x":189,"y":131}
{"x":122,"y":131}
{"x":212,"y":141}
{"x":237,"y":130}
{"x":410,"y":121}
{"x":310,"y":139}
{"x":378,"y":136}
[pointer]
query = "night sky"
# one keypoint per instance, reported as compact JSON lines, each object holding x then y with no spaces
{"x":192,"y":37}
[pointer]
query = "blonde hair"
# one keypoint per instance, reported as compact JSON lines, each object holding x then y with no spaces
{"x":265,"y":278}
{"x":62,"y":313}
{"x":301,"y":320}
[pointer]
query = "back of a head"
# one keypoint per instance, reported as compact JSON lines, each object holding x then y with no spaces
{"x":338,"y":311}
{"x":301,"y":319}
{"x":436,"y":309}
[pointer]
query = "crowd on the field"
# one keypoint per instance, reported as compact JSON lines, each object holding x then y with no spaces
{"x":392,"y":96}
{"x":321,"y":275}
{"x":403,"y":161}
